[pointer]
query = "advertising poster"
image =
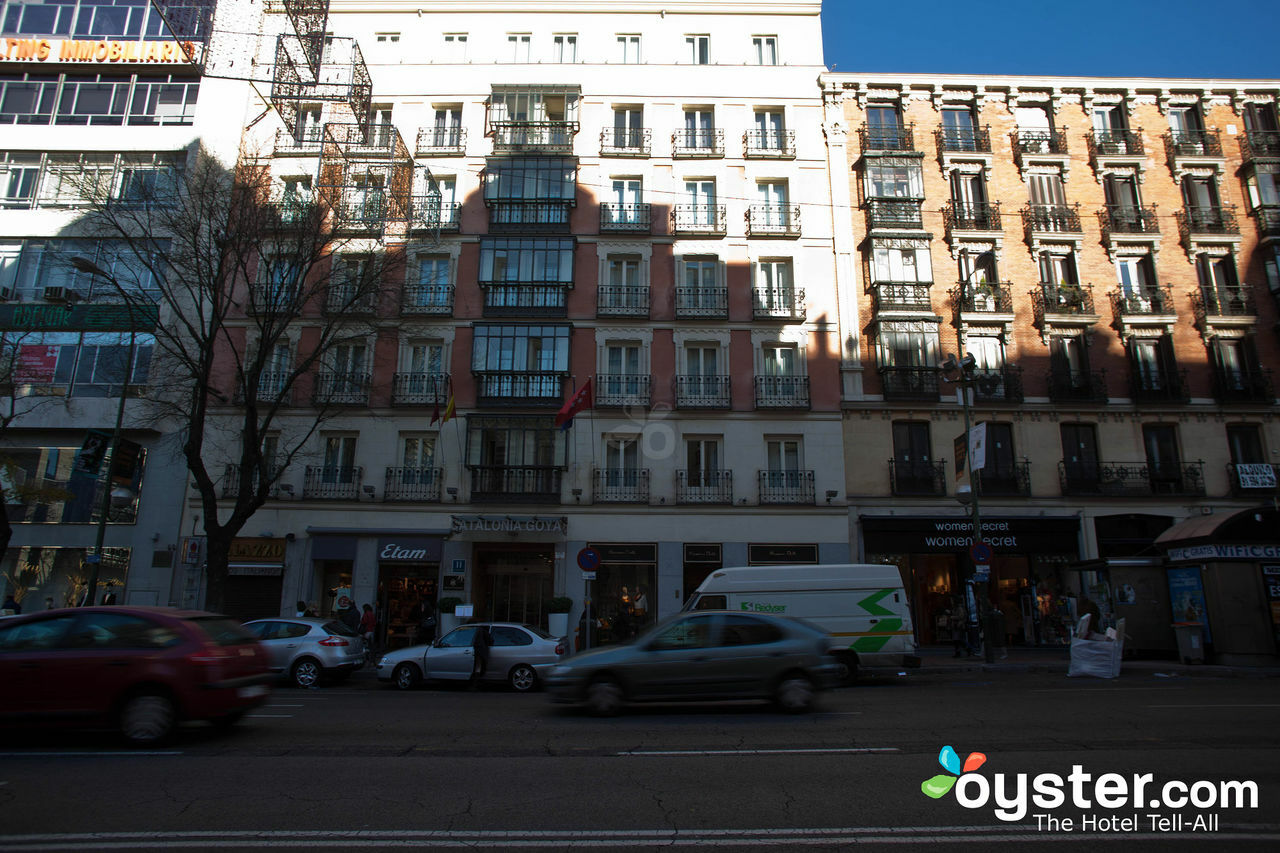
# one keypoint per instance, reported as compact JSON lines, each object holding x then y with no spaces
{"x":1186,"y":597}
{"x":36,"y":364}
{"x":1271,"y":580}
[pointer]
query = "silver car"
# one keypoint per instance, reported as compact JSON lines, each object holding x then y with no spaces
{"x":519,"y":654}
{"x":306,"y":649}
{"x":700,"y":656}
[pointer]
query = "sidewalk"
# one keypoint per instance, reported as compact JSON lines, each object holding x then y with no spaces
{"x":1056,"y":659}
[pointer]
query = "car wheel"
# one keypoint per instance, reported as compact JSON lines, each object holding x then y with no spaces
{"x":148,"y":718}
{"x":522,"y":678}
{"x":604,"y":697}
{"x":848,"y":673}
{"x":795,"y":693}
{"x":406,"y":676}
{"x":306,"y":673}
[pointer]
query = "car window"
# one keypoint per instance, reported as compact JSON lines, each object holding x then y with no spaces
{"x":339,"y":629}
{"x":458,"y":637}
{"x":258,"y":629}
{"x":710,"y":602}
{"x":223,"y":630}
{"x":505,"y":635}
{"x":538,"y":632}
{"x":119,"y":631}
{"x":293,"y":630}
{"x":748,"y":631}
{"x":692,"y":633}
{"x":33,"y":636}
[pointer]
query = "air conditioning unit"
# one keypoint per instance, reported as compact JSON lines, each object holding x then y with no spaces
{"x":6,"y":293}
{"x":55,"y":294}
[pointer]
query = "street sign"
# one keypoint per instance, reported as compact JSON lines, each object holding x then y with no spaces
{"x":981,"y":553}
{"x":588,"y":559}
{"x":588,"y":576}
{"x":93,"y":558}
{"x":982,"y":574}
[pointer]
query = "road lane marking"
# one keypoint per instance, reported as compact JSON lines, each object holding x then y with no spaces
{"x":269,"y":716}
{"x":1102,"y":689}
{"x":810,"y":751}
{"x":98,"y":753}
{"x":1213,"y":706}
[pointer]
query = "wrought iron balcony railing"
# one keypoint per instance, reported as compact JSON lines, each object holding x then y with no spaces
{"x":782,"y":392}
{"x":786,"y":487}
{"x":998,"y":386}
{"x":960,"y":216}
{"x":1004,"y":480}
{"x":625,"y":390}
{"x":902,"y":295}
{"x":777,"y":303}
{"x":427,"y":299}
{"x":439,"y":141}
{"x":708,"y":142}
{"x":910,"y":383}
{"x":332,"y":482}
{"x":341,"y":388}
{"x":1192,"y":143}
{"x":552,"y":137}
{"x":1160,"y":387}
{"x":1127,"y":219}
{"x":887,"y":138}
{"x":273,"y":386}
{"x":231,"y":481}
{"x":1268,"y":216}
{"x":620,"y":300}
{"x":419,"y":389}
{"x":350,"y":299}
{"x":917,"y":478}
{"x":626,"y":142}
{"x":620,"y":485}
{"x":429,"y":212}
{"x":699,"y":219}
{"x":964,"y":139}
{"x":525,"y":300}
{"x":1253,"y":478}
{"x":1039,"y":142}
{"x":1259,"y":144}
{"x":1208,"y":220}
{"x":1111,"y":143}
{"x":1131,"y":479}
{"x":702,"y":302}
{"x":703,"y":392}
{"x":1227,"y":301}
{"x":1153,"y":299}
{"x":626,"y":217}
{"x":986,"y":297}
{"x":1252,"y":385}
{"x":504,"y":388}
{"x":307,"y":141}
{"x":1051,"y":219}
{"x":895,"y":214}
{"x":701,"y":486}
{"x":769,"y":144}
{"x":1065,"y":299}
{"x":1081,"y":386}
{"x":773,"y":220}
{"x":515,"y":483}
{"x":529,"y":215}
{"x":413,"y":484}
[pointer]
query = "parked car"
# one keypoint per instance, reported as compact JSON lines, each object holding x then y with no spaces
{"x":140,"y":669}
{"x":518,"y":654}
{"x":307,"y":649}
{"x":707,"y":655}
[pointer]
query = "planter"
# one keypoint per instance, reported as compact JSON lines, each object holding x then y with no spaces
{"x":558,"y":624}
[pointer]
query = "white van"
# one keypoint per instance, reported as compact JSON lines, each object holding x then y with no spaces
{"x":862,"y":606}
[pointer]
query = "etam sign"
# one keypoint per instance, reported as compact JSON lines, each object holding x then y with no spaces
{"x":414,"y":549}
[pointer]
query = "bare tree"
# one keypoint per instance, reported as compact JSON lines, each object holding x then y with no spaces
{"x":258,"y":297}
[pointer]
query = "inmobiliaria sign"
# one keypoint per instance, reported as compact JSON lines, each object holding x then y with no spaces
{"x":88,"y":50}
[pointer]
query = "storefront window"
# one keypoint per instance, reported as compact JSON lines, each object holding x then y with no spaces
{"x":45,"y":578}
{"x":625,"y":594}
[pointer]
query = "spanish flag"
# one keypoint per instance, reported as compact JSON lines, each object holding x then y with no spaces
{"x":448,"y":409}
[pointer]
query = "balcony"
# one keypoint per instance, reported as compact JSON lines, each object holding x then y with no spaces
{"x":1045,"y":220}
{"x":1116,"y":143}
{"x":1268,"y":216}
{"x":1227,"y":302}
{"x":1251,"y":385}
{"x":626,"y":142}
{"x":917,"y":478}
{"x":434,"y":299}
{"x":786,"y":487}
{"x":965,"y":140}
{"x":1252,"y":478}
{"x":332,"y":482}
{"x":305,"y":143}
{"x":1077,"y":386}
{"x":417,"y":485}
{"x":986,"y":297}
{"x":515,"y":484}
{"x":688,"y":144}
{"x":292,"y":214}
{"x":1128,"y":220}
{"x":777,"y":303}
{"x":622,"y":390}
{"x":910,"y":383}
{"x":441,"y":142}
{"x":1190,"y":148}
{"x":1207,"y":221}
{"x":362,"y":211}
{"x":428,"y":212}
{"x":341,"y":388}
{"x":525,"y":300}
{"x":959,"y":216}
{"x":1030,"y":143}
{"x":1132,"y":479}
{"x":419,"y":389}
{"x":619,"y":300}
{"x":769,"y":144}
{"x":231,"y":482}
{"x":998,"y":386}
{"x":1068,"y":300}
{"x":508,"y":389}
{"x":773,"y":220}
{"x":623,"y":486}
{"x":1260,"y":145}
{"x":894,"y":215}
{"x":349,"y":299}
{"x":1160,"y":387}
{"x":541,"y":216}
{"x":902,"y":295}
{"x":273,"y":387}
{"x":702,"y":392}
{"x":886,"y":138}
{"x":1012,"y":480}
{"x":1148,"y":301}
{"x":699,"y":486}
{"x":547,"y":137}
{"x":782,"y":392}
{"x":709,"y":219}
{"x":702,"y":302}
{"x":636,"y":218}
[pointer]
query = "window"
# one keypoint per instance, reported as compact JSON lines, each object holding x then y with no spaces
{"x":628,"y":128}
{"x":1201,"y":198}
{"x":519,"y":45}
{"x":1218,"y":276}
{"x":783,"y":454}
{"x":1058,"y":268}
{"x":455,"y":47}
{"x":700,"y":195}
{"x":1163,"y":460}
{"x":1079,"y":454}
{"x":1236,"y":365}
{"x":417,"y":450}
{"x":1152,"y":360}
{"x":515,"y":442}
{"x":696,"y":632}
{"x":884,"y":127}
{"x":772,"y":210}
{"x":1047,"y":190}
{"x":999,"y":474}
{"x":530,"y":260}
{"x":702,"y":460}
{"x":770,"y":133}
{"x":988,"y":353}
{"x":347,"y":363}
{"x":1069,"y":362}
{"x":624,"y":271}
{"x":913,"y":468}
{"x":699,"y":129}
{"x":339,"y":459}
{"x":700,"y":280}
{"x":1264,"y":187}
{"x":525,"y":349}
{"x":1186,"y":125}
{"x":765,"y":49}
{"x":422,"y":358}
{"x":386,"y":39}
{"x":621,"y":461}
{"x":889,"y":177}
{"x":623,"y":370}
{"x":977,"y":267}
{"x":959,"y":130}
{"x":908,"y":345}
{"x":1035,"y":129}
{"x":1244,"y":441}
{"x":628,"y":48}
{"x":781,"y":360}
{"x":433,"y":286}
{"x":773,"y":289}
{"x":531,"y":178}
{"x":901,"y":263}
{"x":18,"y":176}
{"x":564,"y":47}
{"x":969,"y":194}
{"x":1136,"y":278}
{"x":698,"y":49}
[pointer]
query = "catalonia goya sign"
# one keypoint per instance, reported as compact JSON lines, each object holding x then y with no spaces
{"x":78,"y":318}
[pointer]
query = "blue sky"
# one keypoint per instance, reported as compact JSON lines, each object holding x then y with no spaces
{"x":1121,"y":38}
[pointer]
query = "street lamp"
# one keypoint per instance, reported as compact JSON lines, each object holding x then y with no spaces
{"x":961,"y":373}
{"x":95,"y":562}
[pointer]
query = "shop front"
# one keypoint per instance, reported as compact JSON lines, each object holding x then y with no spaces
{"x":255,"y":578}
{"x":625,"y":590}
{"x":1029,"y":582}
{"x":700,"y":560}
{"x":408,"y":579}
{"x":48,"y":577}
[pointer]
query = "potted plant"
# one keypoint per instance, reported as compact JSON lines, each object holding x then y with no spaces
{"x":448,"y":618}
{"x":558,"y":615}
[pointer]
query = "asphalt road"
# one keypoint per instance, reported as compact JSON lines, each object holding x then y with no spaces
{"x":356,"y":766}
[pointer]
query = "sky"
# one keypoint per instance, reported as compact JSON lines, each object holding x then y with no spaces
{"x":1122,"y":38}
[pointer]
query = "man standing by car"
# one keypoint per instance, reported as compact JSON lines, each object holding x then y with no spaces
{"x":480,"y":646}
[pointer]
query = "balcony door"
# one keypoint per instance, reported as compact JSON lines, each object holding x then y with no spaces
{"x":884,"y":127}
{"x":1164,"y":463}
{"x":699,"y":129}
{"x":1137,"y":282}
{"x":772,"y":196}
{"x":621,"y":462}
{"x":702,"y":462}
{"x":769,"y":129}
{"x":912,"y":457}
{"x":701,"y":196}
{"x":628,"y":127}
{"x":625,"y":196}
{"x":622,"y":370}
{"x":959,"y":129}
{"x":702,"y":370}
{"x":784,"y":460}
{"x":339,"y":459}
{"x":1080,"y":456}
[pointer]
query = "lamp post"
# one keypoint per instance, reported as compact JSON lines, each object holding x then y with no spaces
{"x":961,"y":373}
{"x":95,"y":561}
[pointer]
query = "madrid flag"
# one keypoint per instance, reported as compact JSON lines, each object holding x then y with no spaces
{"x":582,"y":399}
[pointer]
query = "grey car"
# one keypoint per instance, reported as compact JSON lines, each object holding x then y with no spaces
{"x":701,"y":656}
{"x":306,"y":649}
{"x":519,"y":654}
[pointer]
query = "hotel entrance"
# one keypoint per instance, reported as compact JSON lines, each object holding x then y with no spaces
{"x":514,"y":582}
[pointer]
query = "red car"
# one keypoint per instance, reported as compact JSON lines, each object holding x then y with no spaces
{"x":141,"y":669}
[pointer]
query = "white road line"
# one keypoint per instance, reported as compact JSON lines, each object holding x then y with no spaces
{"x":273,"y":705}
{"x":1100,"y":689}
{"x":1213,"y":706}
{"x":269,"y":716}
{"x":98,"y":753}
{"x":812,"y":751}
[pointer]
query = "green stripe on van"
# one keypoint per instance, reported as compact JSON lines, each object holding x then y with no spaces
{"x":872,"y":605}
{"x":875,"y":644}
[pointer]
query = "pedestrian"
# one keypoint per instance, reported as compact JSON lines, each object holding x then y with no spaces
{"x":480,"y":648}
{"x":424,"y":616}
{"x":957,"y":623}
{"x":351,"y":617}
{"x":301,"y":607}
{"x":368,"y":625}
{"x":11,"y":607}
{"x":313,"y":609}
{"x":109,"y":595}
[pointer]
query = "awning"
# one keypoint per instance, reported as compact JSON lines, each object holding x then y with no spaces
{"x":1255,"y":525}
